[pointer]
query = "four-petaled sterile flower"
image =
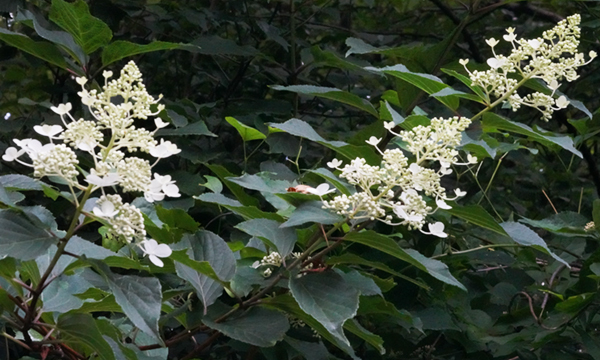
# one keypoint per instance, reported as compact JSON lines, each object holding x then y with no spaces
{"x":154,"y":250}
{"x":436,"y":229}
{"x":62,"y":109}
{"x":160,"y":187}
{"x":11,"y":154}
{"x":164,"y":149}
{"x":105,"y":210}
{"x":321,"y":190}
{"x":335,"y":163}
{"x":48,"y":130}
{"x":109,"y":179}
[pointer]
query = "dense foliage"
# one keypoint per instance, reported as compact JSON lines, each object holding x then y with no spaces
{"x":336,"y":180}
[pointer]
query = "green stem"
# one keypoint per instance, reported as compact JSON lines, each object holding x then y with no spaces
{"x":501,"y":99}
{"x":59,"y":251}
{"x":477,"y":249}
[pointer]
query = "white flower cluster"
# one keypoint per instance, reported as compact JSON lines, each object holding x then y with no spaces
{"x":397,"y":188}
{"x":109,"y":139}
{"x":542,"y":58}
{"x":274,"y":260}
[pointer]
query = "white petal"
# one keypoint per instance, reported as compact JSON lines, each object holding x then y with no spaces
{"x":437,"y":229}
{"x":81,"y":80}
{"x":373,"y":141}
{"x":562,"y":102}
{"x":171,"y":190}
{"x":156,"y":261}
{"x":460,"y":193}
{"x":335,"y":163}
{"x":159,"y":123}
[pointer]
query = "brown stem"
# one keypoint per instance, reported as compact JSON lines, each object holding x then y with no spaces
{"x":202,"y":346}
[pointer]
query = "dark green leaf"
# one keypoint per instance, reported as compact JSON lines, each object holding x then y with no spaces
{"x":312,"y":211}
{"x":39,"y":49}
{"x":492,"y":122}
{"x":284,"y":239}
{"x":477,"y":215}
{"x":75,"y":18}
{"x":205,"y":246}
{"x":376,"y":341}
{"x":20,"y":182}
{"x":258,"y":326}
{"x":566,"y":223}
{"x":246,"y":132}
{"x":523,"y":235}
{"x":328,"y":298}
{"x":120,"y":49}
{"x":20,"y":239}
{"x":81,"y":329}
{"x":195,"y":128}
{"x":331,"y":94}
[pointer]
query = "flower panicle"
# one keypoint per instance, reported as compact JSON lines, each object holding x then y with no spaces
{"x":110,"y":138}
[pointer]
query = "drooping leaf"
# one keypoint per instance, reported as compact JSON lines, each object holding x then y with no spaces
{"x":566,"y":223}
{"x":365,"y":285}
{"x":121,"y":49}
{"x":39,"y":49}
{"x":284,"y":239}
{"x":331,"y":94}
{"x":328,"y":298}
{"x":81,"y":329}
{"x":477,"y":215}
{"x":261,"y":183}
{"x":375,"y":340}
{"x":300,"y":128}
{"x":237,"y":190}
{"x":493,"y":122}
{"x":426,"y":82}
{"x":312,"y":211}
{"x":385,"y":244}
{"x":20,"y":239}
{"x":195,"y":128}
{"x":139,"y":297}
{"x":258,"y":326}
{"x":523,"y":235}
{"x":246,"y":132}
{"x":204,"y":246}
{"x":247,"y":212}
{"x":57,"y":37}
{"x":20,"y":182}
{"x":436,"y":268}
{"x":353,"y":259}
{"x":88,"y":31}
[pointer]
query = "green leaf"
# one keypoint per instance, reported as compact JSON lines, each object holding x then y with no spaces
{"x":596,"y":213}
{"x":204,"y":246}
{"x":20,"y":239}
{"x":331,"y":94}
{"x":300,"y":128}
{"x":20,"y":183}
{"x":237,"y":190}
{"x":435,"y":268}
{"x":81,"y":329}
{"x":310,"y":350}
{"x":177,"y":218}
{"x":574,"y":304}
{"x":426,"y":82}
{"x":492,"y":122}
{"x":328,"y":298}
{"x":375,"y":305}
{"x":247,"y":212}
{"x":120,"y":49}
{"x":288,"y":304}
{"x":467,"y":81}
{"x":312,"y":211}
{"x":387,"y":112}
{"x":258,"y":326}
{"x":58,"y":37}
{"x":477,"y":215}
{"x":195,"y":128}
{"x":246,"y":132}
{"x":365,"y":285}
{"x":261,"y":182}
{"x":39,"y":49}
{"x":139,"y":297}
{"x":375,"y":340}
{"x":353,"y":259}
{"x":284,"y":239}
{"x":75,"y":18}
{"x":566,"y":223}
{"x":523,"y":235}
{"x":59,"y":295}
